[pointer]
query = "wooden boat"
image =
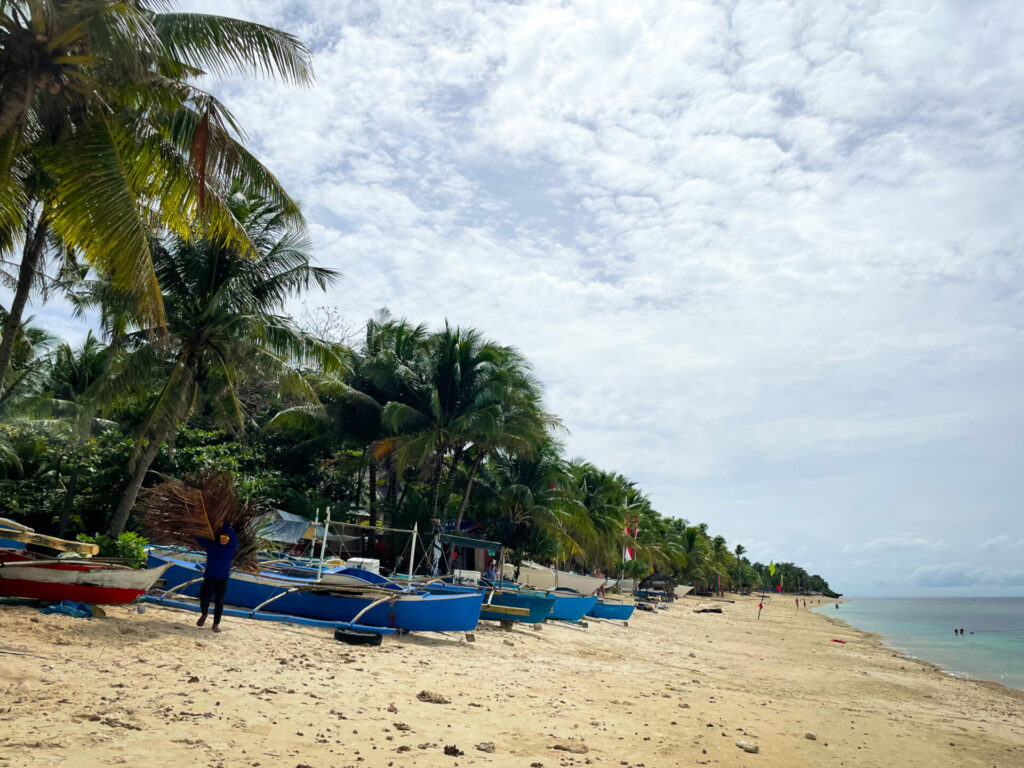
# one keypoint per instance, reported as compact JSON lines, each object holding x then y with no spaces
{"x":413,"y":611}
{"x":613,"y":611}
{"x":77,"y":579}
{"x":569,"y":604}
{"x":502,"y":604}
{"x":537,"y":576}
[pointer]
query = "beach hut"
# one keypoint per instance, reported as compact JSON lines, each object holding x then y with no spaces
{"x":294,"y":532}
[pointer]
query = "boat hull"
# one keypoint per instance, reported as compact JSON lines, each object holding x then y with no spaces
{"x":539,"y":607}
{"x":95,"y":584}
{"x":612,"y":611}
{"x":539,"y":577}
{"x":572,"y":608}
{"x":414,"y":612}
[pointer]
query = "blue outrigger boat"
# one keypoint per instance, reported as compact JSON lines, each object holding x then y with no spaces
{"x":501,"y":604}
{"x":612,"y":611}
{"x":569,"y":604}
{"x":384,"y":605}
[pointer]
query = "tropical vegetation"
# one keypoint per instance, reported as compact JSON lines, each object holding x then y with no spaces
{"x":127,"y":191}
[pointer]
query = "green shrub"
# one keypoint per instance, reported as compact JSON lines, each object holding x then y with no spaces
{"x":128,"y":546}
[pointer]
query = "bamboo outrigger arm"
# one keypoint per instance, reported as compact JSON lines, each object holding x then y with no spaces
{"x":272,"y":599}
{"x":172,"y":590}
{"x":28,"y":536}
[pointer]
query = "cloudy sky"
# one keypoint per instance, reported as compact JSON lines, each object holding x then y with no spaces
{"x":765,"y":256}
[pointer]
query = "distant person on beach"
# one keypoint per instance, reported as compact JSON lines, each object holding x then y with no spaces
{"x":219,"y":554}
{"x":805,"y":602}
{"x":837,"y":606}
{"x":797,"y":599}
{"x":492,"y":571}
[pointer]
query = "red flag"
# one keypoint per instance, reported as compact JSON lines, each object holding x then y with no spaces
{"x":778,"y":588}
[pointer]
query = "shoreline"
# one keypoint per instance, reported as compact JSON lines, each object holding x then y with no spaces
{"x":673,"y":688}
{"x":881,"y":640}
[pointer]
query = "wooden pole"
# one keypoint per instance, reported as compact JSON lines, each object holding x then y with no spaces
{"x":323,"y":544}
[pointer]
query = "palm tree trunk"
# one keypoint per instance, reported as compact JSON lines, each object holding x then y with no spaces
{"x":469,"y":486}
{"x":436,"y":486}
{"x":359,"y":487}
{"x":392,"y":486}
{"x":69,"y":499}
{"x":17,"y":99}
{"x":31,"y":256}
{"x":131,"y":492}
{"x":371,"y":506}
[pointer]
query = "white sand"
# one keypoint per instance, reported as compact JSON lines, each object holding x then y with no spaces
{"x":674,"y":688}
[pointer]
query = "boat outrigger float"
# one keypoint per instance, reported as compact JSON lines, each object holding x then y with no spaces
{"x":282,"y":618}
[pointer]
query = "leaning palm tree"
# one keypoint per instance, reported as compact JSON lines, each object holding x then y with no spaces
{"x":224,"y":326}
{"x":103,"y":134}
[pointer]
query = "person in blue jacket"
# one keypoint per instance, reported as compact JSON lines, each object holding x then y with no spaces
{"x":219,"y":554}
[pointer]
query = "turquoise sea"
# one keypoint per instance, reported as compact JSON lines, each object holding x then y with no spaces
{"x":991,"y":648}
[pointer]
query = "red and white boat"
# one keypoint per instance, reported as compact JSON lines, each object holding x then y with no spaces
{"x":75,"y":579}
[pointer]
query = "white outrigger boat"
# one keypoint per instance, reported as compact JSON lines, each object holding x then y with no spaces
{"x":534,"y":575}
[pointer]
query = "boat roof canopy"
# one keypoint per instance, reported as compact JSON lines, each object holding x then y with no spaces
{"x":465,"y":541}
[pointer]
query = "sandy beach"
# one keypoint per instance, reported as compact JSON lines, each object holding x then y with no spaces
{"x":672,"y":688}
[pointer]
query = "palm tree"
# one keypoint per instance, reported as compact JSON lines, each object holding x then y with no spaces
{"x":532,"y":494}
{"x":465,"y":382}
{"x":74,"y":379}
{"x":224,"y":324}
{"x":348,"y":412}
{"x":28,"y":373}
{"x":102,"y":135}
{"x":738,"y":552}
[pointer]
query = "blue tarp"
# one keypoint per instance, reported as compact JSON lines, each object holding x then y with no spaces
{"x":70,"y":608}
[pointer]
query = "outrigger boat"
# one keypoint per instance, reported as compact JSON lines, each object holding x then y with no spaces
{"x":78,"y":579}
{"x":612,"y":611}
{"x":568,"y":606}
{"x":537,"y":576}
{"x":387,"y":605}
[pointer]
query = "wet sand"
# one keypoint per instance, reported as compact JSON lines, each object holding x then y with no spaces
{"x":675,"y":688}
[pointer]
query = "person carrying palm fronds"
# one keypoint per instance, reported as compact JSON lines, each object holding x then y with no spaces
{"x":219,"y":554}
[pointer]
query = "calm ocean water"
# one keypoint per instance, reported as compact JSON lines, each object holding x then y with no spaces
{"x":923,"y":628}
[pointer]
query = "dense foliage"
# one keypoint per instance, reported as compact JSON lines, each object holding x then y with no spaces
{"x":125,"y":189}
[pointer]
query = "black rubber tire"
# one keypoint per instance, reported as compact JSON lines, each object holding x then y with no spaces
{"x":351,"y":637}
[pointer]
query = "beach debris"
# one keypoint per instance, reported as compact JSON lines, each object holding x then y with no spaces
{"x":568,"y":745}
{"x":706,"y":608}
{"x":392,"y":707}
{"x":509,"y":642}
{"x":837,"y":640}
{"x":433,"y":698}
{"x":811,"y":736}
{"x":402,"y":727}
{"x":485,"y":746}
{"x":113,"y":722}
{"x":453,"y":751}
{"x":747,"y":746}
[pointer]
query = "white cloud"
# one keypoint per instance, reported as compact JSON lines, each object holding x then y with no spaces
{"x":965,"y":575}
{"x":995,"y":541}
{"x":765,"y":257}
{"x":888,"y":543}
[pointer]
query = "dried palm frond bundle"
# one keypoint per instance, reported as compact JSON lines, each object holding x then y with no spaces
{"x":180,"y":511}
